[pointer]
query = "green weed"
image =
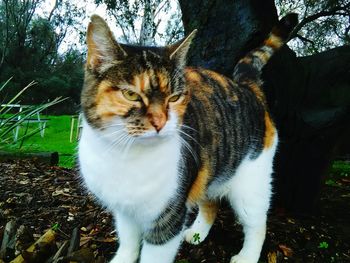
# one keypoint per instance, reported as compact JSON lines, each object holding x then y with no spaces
{"x":323,"y":245}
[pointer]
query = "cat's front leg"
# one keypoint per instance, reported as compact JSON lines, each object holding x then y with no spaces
{"x":129,"y":237}
{"x":163,"y":253}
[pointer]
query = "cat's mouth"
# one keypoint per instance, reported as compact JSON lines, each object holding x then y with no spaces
{"x":147,"y":135}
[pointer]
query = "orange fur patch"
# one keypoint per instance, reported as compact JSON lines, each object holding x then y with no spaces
{"x":209,"y":209}
{"x":202,"y":87}
{"x":201,"y":90}
{"x":223,"y":81}
{"x":273,"y":41}
{"x":234,"y":97}
{"x":180,"y":108}
{"x":255,"y":87}
{"x":110,"y":102}
{"x":264,"y":57}
{"x":246,"y":60}
{"x":270,"y":131}
{"x":163,"y":81}
{"x":141,"y":82}
{"x":192,"y":75}
{"x":199,"y":186}
{"x":217,"y":77}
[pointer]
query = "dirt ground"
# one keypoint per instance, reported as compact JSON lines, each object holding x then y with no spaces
{"x":36,"y":197}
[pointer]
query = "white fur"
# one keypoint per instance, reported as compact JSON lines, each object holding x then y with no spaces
{"x":130,"y":232}
{"x":135,"y":183}
{"x":161,"y":253}
{"x":249,"y":193}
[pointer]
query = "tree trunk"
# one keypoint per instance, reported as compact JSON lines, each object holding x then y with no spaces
{"x":309,"y":97}
{"x":310,"y":100}
{"x":227,"y":30}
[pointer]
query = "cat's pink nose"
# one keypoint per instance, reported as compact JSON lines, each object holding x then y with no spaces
{"x":158,"y":120}
{"x":157,"y":116}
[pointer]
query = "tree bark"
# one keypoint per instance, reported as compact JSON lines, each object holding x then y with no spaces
{"x":227,"y":30}
{"x":310,"y":100}
{"x":309,"y":97}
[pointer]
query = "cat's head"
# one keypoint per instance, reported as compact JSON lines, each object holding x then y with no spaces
{"x":137,"y":90}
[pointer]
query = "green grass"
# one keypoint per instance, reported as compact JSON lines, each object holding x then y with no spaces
{"x":56,"y":139}
{"x":339,"y":171}
{"x":341,"y":168}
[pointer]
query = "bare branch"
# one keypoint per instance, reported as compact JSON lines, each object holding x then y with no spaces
{"x":53,"y":9}
{"x":304,"y":39}
{"x":160,"y":8}
{"x":125,"y":35}
{"x":314,"y":17}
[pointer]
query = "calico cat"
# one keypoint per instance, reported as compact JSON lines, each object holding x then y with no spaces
{"x":159,"y":138}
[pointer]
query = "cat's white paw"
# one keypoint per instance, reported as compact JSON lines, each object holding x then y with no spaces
{"x":125,"y":256}
{"x":195,"y":236}
{"x":242,"y":259}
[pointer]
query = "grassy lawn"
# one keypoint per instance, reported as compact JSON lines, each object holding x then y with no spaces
{"x":56,"y":139}
{"x":340,"y":171}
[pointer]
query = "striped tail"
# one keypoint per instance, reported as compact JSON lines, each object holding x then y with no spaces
{"x":248,"y":69}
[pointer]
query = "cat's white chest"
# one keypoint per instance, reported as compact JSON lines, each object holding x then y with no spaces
{"x":140,"y":182}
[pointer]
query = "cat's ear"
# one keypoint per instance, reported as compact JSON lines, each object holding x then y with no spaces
{"x":102,"y":46}
{"x":178,"y":51}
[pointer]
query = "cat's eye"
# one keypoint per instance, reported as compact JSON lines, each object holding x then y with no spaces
{"x":130,"y":95}
{"x":174,"y":98}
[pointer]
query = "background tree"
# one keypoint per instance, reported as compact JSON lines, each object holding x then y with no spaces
{"x":16,"y":18}
{"x":29,"y":50}
{"x":323,"y":24}
{"x":146,"y":22}
{"x":309,"y":97}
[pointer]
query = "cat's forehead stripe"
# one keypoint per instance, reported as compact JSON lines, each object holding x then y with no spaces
{"x":142,"y":82}
{"x":149,"y":81}
{"x":146,"y":60}
{"x":162,"y":81}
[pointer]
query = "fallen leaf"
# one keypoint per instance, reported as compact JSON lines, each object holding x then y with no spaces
{"x":57,"y":192}
{"x":291,"y":221}
{"x":24,"y":182}
{"x":287,"y":251}
{"x":272,"y":257}
{"x":84,"y":240}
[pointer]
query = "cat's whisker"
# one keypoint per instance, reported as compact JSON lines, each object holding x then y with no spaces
{"x":188,"y":127}
{"x":111,"y":126}
{"x":129,"y":141}
{"x":113,"y":133}
{"x":134,"y":127}
{"x":108,"y":135}
{"x":112,"y":145}
{"x":117,"y":142}
{"x":189,"y":148}
{"x":189,"y":136}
